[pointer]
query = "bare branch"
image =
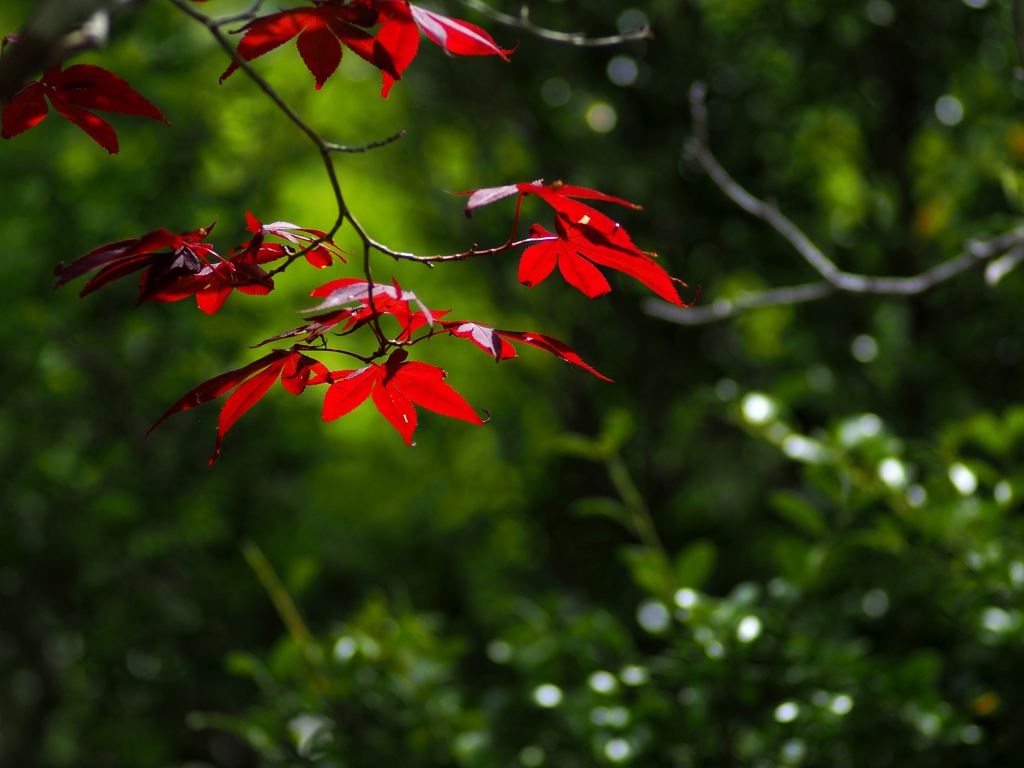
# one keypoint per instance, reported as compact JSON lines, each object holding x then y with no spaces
{"x":725,"y":308}
{"x":367,"y":147}
{"x":975,"y":252}
{"x":523,"y":21}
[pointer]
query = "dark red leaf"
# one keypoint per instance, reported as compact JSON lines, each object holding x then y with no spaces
{"x":242,"y":399}
{"x":554,"y":346}
{"x":27,"y":109}
{"x":267,"y":33}
{"x":98,"y":129}
{"x":89,"y":87}
{"x":320,"y":49}
{"x":217,"y":386}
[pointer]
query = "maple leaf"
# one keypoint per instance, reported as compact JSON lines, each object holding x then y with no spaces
{"x":338,"y":293}
{"x":496,"y":343}
{"x":73,"y":92}
{"x":320,"y":30}
{"x":320,"y":256}
{"x":394,"y":387}
{"x":400,"y":36}
{"x":250,"y":384}
{"x":583,"y":235}
{"x":187,"y":256}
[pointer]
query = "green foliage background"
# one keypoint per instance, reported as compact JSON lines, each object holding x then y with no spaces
{"x":749,"y":551}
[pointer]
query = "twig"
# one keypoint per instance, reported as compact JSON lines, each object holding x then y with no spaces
{"x":725,"y":308}
{"x":523,"y":21}
{"x":836,"y":279}
{"x":371,"y":145}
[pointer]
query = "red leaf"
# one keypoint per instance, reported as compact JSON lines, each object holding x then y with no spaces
{"x":395,"y":386}
{"x":267,"y":33}
{"x":554,"y":346}
{"x":349,"y":390}
{"x":394,"y":405}
{"x":424,"y":385}
{"x":595,"y":246}
{"x":297,"y":369}
{"x":538,"y":260}
{"x":217,"y":386}
{"x":485,"y":338}
{"x":89,"y":87}
{"x":581,"y":274}
{"x":244,"y":398}
{"x":27,"y":109}
{"x":127,"y":256}
{"x":319,"y":29}
{"x":553,"y":193}
{"x":321,"y":256}
{"x":363,"y":44}
{"x":212,"y":297}
{"x":398,"y":38}
{"x":97,"y":128}
{"x":320,"y":50}
{"x":458,"y":37}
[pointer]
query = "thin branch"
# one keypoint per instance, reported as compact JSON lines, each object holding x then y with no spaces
{"x":368,"y":147}
{"x":523,"y":21}
{"x":836,"y":280}
{"x":725,"y":308}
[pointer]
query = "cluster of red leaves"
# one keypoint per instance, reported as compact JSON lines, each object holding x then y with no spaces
{"x":323,"y":27}
{"x":73,"y":92}
{"x":182,"y":265}
{"x":583,"y":237}
{"x":178,"y":266}
{"x":395,"y":385}
{"x":250,"y":384}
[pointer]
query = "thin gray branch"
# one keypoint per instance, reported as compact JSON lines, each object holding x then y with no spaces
{"x":975,"y":252}
{"x":725,"y":308}
{"x":523,"y":21}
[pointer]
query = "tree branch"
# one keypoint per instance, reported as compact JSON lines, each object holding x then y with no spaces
{"x":523,"y":21}
{"x":836,"y":279}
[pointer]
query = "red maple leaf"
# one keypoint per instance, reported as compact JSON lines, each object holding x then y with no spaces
{"x":496,"y":343}
{"x":320,"y":255}
{"x":250,"y":384}
{"x":320,"y":30}
{"x":176,"y":266}
{"x":583,"y":235}
{"x":395,"y":386}
{"x":400,"y":36}
{"x":321,"y":27}
{"x":73,"y":92}
{"x":186,"y":256}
